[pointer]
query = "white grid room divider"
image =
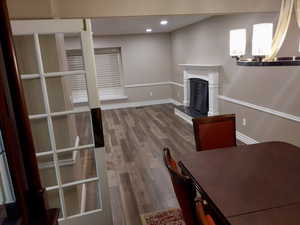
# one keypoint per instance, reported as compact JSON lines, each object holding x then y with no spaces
{"x":79,"y":153}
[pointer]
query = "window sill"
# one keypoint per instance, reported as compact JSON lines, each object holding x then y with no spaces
{"x":112,"y":97}
{"x":102,"y":98}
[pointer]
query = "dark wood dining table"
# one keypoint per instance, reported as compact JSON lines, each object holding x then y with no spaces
{"x":255,"y":184}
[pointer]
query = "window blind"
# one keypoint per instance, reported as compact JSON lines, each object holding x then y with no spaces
{"x":108,"y":70}
{"x":75,"y":62}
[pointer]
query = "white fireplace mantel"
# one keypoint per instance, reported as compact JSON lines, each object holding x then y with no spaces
{"x":200,"y":66}
{"x":208,"y":72}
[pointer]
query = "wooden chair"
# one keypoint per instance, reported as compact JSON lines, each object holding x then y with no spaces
{"x":214,"y":132}
{"x":203,"y":217}
{"x":184,"y":189}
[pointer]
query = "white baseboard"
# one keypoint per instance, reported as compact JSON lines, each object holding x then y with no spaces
{"x":175,"y":102}
{"x":139,"y":104}
{"x":183,"y":116}
{"x":245,"y":139}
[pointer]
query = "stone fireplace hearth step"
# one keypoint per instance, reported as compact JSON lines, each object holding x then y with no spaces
{"x":190,"y":112}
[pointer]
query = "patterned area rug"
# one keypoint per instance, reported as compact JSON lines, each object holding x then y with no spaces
{"x":166,"y":217}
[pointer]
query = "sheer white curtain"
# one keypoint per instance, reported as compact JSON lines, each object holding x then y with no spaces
{"x":297,"y":11}
{"x":282,"y":27}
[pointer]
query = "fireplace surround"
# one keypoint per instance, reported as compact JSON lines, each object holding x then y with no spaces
{"x":207,"y":72}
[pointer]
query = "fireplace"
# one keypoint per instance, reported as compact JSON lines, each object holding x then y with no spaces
{"x":201,"y":90}
{"x":199,"y":96}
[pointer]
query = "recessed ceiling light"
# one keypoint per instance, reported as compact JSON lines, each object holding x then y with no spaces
{"x":164,"y":22}
{"x":148,"y":30}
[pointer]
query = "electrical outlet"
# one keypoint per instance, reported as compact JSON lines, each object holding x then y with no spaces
{"x":150,"y":93}
{"x":244,"y":121}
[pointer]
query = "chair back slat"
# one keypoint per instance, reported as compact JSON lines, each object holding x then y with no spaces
{"x":203,"y":217}
{"x":214,"y":132}
{"x":184,"y":189}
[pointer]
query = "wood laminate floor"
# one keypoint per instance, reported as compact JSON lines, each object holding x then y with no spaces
{"x":138,"y":180}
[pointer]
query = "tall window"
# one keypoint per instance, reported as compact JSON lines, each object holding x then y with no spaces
{"x":6,"y":188}
{"x":109,"y":73}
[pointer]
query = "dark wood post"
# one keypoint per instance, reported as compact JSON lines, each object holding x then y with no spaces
{"x":35,"y":196}
{"x":12,"y":150}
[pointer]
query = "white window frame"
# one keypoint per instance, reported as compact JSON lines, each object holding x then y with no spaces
{"x":106,"y":94}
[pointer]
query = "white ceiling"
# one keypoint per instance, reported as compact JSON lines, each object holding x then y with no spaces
{"x":138,"y":24}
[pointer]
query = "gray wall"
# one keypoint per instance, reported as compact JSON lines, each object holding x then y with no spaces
{"x":145,"y":58}
{"x":275,"y":88}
